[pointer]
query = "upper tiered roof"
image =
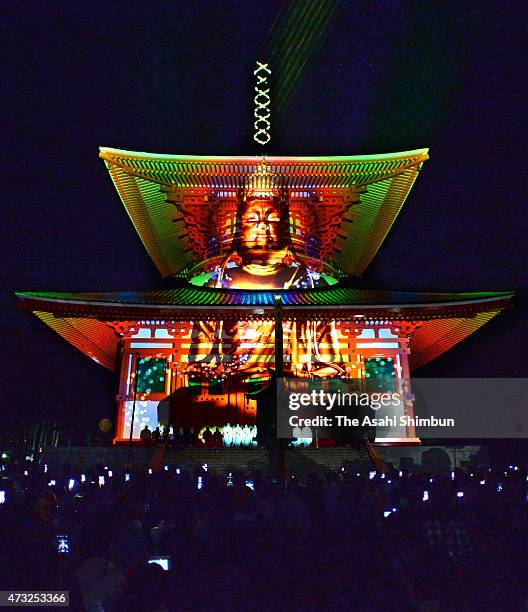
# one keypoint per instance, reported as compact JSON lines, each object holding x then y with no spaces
{"x":170,"y":200}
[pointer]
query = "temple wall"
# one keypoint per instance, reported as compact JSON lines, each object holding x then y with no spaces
{"x":192,"y":355}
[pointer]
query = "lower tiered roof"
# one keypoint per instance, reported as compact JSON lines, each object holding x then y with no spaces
{"x":444,"y":318}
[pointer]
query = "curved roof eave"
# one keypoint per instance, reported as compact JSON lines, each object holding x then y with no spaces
{"x":217,"y":299}
{"x":108,"y":152}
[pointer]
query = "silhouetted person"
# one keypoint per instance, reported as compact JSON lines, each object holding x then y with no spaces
{"x":146,"y":434}
{"x":218,"y":442}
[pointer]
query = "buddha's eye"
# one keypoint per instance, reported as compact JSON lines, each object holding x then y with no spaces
{"x":252,"y":218}
{"x":272,"y":216}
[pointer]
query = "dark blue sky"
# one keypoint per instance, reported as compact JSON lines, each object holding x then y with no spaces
{"x":176,"y":78}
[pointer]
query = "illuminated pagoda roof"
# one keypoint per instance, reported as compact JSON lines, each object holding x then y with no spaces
{"x":179,"y":203}
{"x":444,"y":318}
{"x":170,"y":199}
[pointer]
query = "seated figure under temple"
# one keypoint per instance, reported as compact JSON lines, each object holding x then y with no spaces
{"x":262,"y":256}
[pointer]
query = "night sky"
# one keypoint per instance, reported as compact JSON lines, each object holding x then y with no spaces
{"x":176,"y":78}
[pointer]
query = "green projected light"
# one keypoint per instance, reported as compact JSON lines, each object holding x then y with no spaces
{"x":151,"y":375}
{"x":380,"y":374}
{"x":255,"y":385}
{"x":201,"y":279}
{"x":215,"y":386}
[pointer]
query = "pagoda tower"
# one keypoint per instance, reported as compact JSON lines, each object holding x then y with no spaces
{"x":234,"y":233}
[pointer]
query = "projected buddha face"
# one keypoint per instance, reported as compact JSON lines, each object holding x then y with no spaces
{"x":260,"y":224}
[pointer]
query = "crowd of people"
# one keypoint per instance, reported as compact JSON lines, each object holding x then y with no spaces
{"x":178,"y":539}
{"x":226,"y":436}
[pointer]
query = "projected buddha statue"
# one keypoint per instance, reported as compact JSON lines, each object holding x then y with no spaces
{"x":262,"y":256}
